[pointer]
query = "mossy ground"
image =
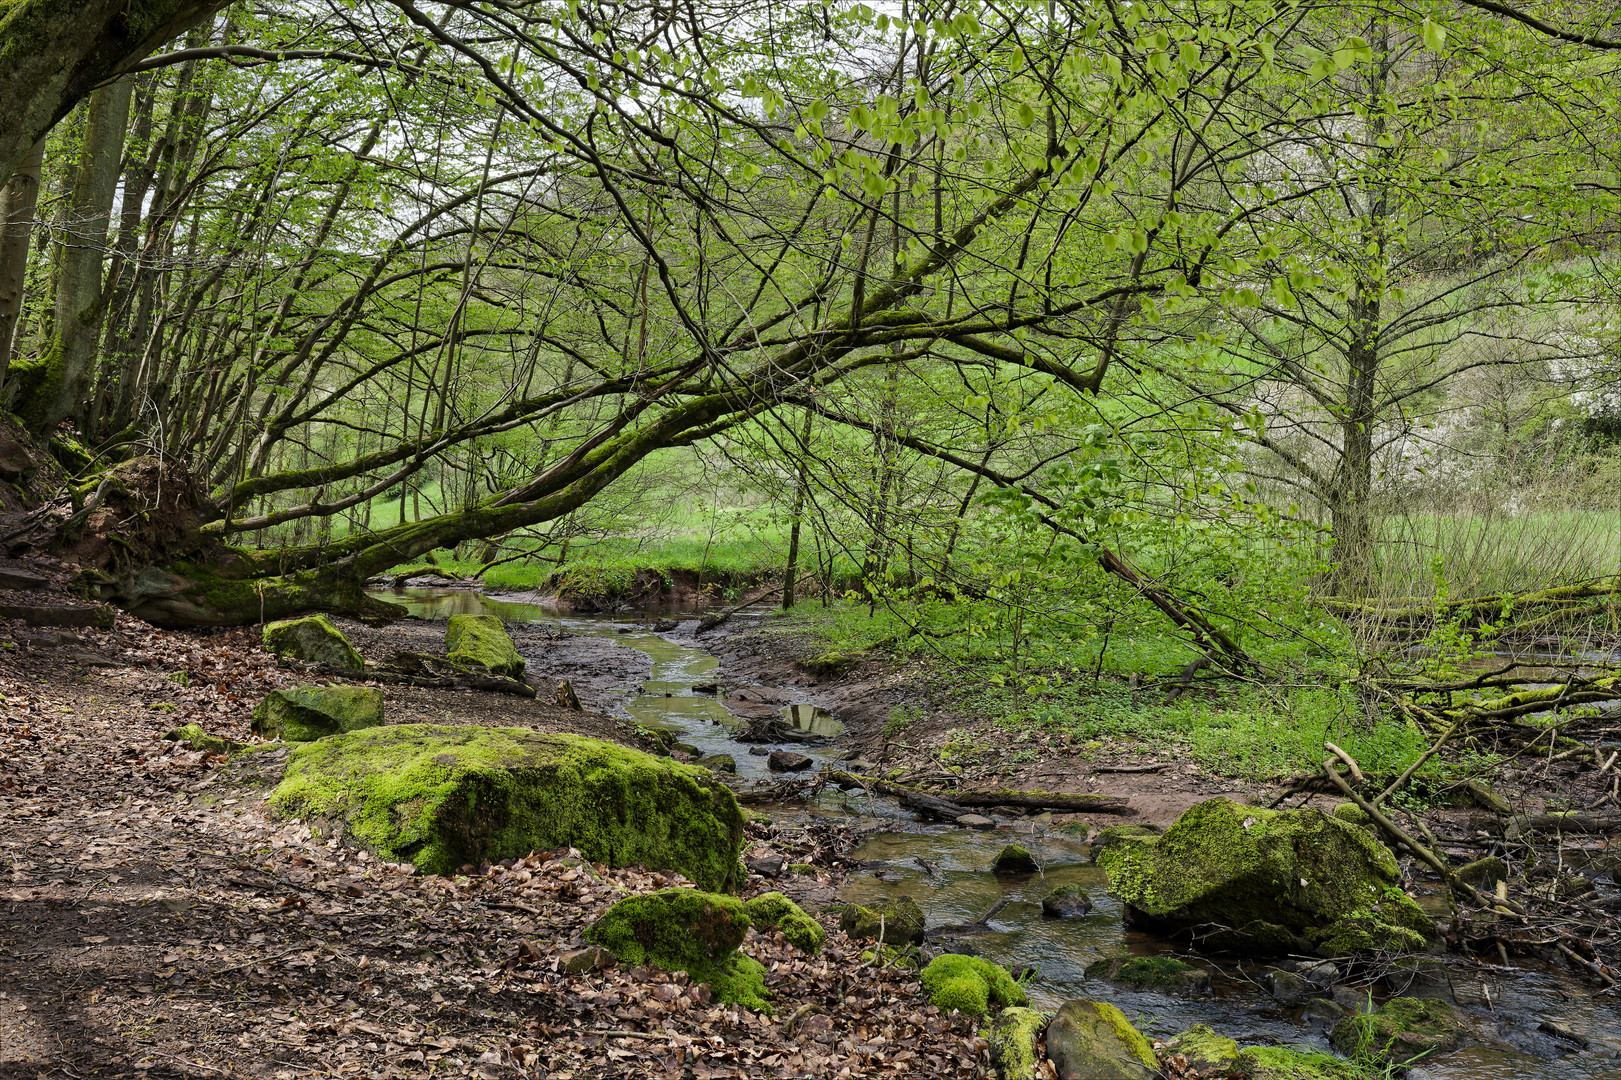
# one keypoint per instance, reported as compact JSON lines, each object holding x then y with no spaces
{"x":442,"y":796}
{"x":970,"y":985}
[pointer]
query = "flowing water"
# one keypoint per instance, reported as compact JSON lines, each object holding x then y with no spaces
{"x":946,"y":870}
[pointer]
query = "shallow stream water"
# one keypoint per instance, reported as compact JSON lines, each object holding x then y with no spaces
{"x":955,"y":887}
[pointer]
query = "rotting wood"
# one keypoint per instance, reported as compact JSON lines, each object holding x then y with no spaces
{"x":965,"y":802}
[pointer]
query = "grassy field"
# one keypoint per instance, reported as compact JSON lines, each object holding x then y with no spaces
{"x":1480,"y":554}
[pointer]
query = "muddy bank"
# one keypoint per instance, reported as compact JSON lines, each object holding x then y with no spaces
{"x":893,"y":718}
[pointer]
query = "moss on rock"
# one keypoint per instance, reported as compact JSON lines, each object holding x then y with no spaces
{"x":1151,"y":973}
{"x":1094,"y":1040}
{"x":1014,"y":859}
{"x":306,"y":713}
{"x":685,"y":930}
{"x":482,"y":641}
{"x":970,"y":985}
{"x":1203,"y":1053}
{"x":899,"y":918}
{"x":314,"y":640}
{"x":1289,"y":1063}
{"x":1012,"y":1035}
{"x":1401,"y":1030}
{"x":195,"y":738}
{"x":441,"y":796}
{"x":1226,"y":864}
{"x":774,"y":911}
{"x":1065,"y":901}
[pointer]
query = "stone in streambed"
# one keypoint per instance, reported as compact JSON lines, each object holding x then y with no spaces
{"x":307,"y":713}
{"x":1276,"y":876}
{"x":314,"y":640}
{"x":1012,"y":1036}
{"x":970,"y":985}
{"x":1204,"y":1053}
{"x":1066,"y":901}
{"x":195,"y":738}
{"x":441,"y":796}
{"x":1091,"y":1040}
{"x":787,"y":761}
{"x":774,"y":911}
{"x":1288,"y":1063}
{"x":976,"y":821}
{"x":718,"y":763}
{"x":1151,"y":973}
{"x":481,"y":641}
{"x":1484,"y":873}
{"x":1400,"y":1030}
{"x":1014,"y":859}
{"x":901,"y":918}
{"x":685,"y":930}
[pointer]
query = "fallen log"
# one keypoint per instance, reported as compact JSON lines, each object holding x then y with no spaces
{"x":1569,"y":821}
{"x":964,"y":802}
{"x":429,"y":672}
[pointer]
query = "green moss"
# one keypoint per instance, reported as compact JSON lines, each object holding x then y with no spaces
{"x":970,"y":985}
{"x":685,"y":930}
{"x":442,"y":796}
{"x":1402,"y":1030}
{"x":774,"y":911}
{"x":1355,"y":935}
{"x":801,"y":869}
{"x":482,"y":641}
{"x":306,"y":713}
{"x":1206,"y":1053}
{"x":313,"y":639}
{"x":1232,"y":865}
{"x":1012,"y":1035}
{"x":1014,"y":859}
{"x":898,"y":918}
{"x":1151,"y":973}
{"x":195,"y":738}
{"x":889,"y":956}
{"x":1135,"y":1041}
{"x":829,"y":663}
{"x":1287,"y":1063}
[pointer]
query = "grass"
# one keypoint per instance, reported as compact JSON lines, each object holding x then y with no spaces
{"x":1477,"y":554}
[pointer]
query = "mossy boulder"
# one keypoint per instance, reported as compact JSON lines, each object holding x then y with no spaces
{"x":1091,"y":1040}
{"x":1401,"y":1030}
{"x":685,"y":930}
{"x":774,"y":911}
{"x":1012,"y":1035}
{"x":307,"y":713}
{"x":1014,"y":859}
{"x":970,"y":985}
{"x":441,"y":796}
{"x":1202,"y":1052}
{"x":1065,"y":901}
{"x":1151,"y":973}
{"x":314,"y":640}
{"x":900,"y":917}
{"x":1289,"y":1063}
{"x":482,"y":641}
{"x":1277,"y":873}
{"x":193,"y":737}
{"x":725,"y":763}
{"x":1119,"y":834}
{"x":1484,"y":873}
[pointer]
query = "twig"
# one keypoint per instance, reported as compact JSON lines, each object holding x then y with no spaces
{"x":1591,"y":965}
{"x":1400,"y":781}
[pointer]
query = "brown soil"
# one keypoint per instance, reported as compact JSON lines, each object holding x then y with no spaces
{"x":155,"y":922}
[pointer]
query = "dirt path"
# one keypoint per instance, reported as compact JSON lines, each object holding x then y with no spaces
{"x":154,"y":922}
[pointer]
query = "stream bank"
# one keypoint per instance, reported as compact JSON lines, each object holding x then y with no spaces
{"x":946,"y":870}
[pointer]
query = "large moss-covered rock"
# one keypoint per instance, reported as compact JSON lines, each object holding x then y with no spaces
{"x":441,"y":796}
{"x":314,"y":640}
{"x":898,"y":918}
{"x":482,"y":641}
{"x":1091,"y":1040}
{"x":774,"y":911}
{"x":1401,"y":1030}
{"x":685,"y":930}
{"x":306,"y":713}
{"x":970,"y":985}
{"x":1282,"y":873}
{"x":1012,"y":1036}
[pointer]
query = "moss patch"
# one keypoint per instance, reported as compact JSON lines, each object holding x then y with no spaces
{"x":1012,"y":1035}
{"x":1151,"y":973}
{"x":1402,"y":1030}
{"x":686,"y":930}
{"x":970,"y":985}
{"x":314,"y":640}
{"x":482,"y":641}
{"x":442,"y":796}
{"x":1014,"y":859}
{"x":1232,"y":865}
{"x":1287,"y":1063}
{"x":306,"y":713}
{"x":774,"y":911}
{"x":195,"y":738}
{"x":1203,"y":1052}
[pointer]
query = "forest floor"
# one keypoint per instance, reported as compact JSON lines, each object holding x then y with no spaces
{"x":155,"y":922}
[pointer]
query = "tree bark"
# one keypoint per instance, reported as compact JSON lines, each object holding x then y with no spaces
{"x":22,"y":198}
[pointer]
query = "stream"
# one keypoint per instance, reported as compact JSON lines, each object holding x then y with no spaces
{"x":1506,"y":1005}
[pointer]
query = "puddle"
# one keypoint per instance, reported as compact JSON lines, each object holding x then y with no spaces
{"x":812,"y":720}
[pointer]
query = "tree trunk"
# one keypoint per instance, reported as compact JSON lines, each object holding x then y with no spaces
{"x":22,"y":198}
{"x":801,"y":484}
{"x":55,"y":384}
